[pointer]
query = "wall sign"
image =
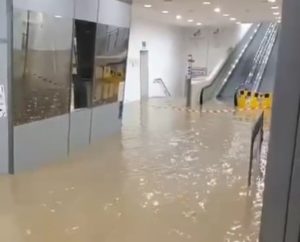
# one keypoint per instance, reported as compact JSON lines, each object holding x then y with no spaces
{"x":3,"y":107}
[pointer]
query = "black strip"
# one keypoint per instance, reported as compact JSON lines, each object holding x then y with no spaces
{"x":10,"y":118}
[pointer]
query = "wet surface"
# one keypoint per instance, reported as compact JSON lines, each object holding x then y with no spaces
{"x":170,"y":176}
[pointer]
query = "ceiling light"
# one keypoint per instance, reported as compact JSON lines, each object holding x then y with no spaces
{"x":217,"y":10}
{"x":178,"y":17}
{"x":276,"y":13}
{"x":226,"y":15}
{"x":232,"y":19}
{"x":279,"y":21}
{"x":165,"y":11}
{"x":190,"y":20}
{"x":148,"y":6}
{"x":271,"y":1}
{"x":206,"y":3}
{"x":274,"y":7}
{"x":58,"y":16}
{"x":199,"y":24}
{"x":238,"y":22}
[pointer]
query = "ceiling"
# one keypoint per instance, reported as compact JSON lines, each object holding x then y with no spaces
{"x":195,"y":12}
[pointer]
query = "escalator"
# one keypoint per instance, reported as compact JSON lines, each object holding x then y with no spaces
{"x":268,"y":81}
{"x":243,"y":68}
{"x":255,"y":70}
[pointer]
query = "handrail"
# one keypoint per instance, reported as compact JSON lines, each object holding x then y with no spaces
{"x":258,"y":58}
{"x":163,"y":85}
{"x":258,"y":129}
{"x":232,"y":66}
{"x":262,"y":68}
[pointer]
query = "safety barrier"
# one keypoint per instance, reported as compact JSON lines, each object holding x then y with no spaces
{"x":257,"y":131}
{"x":244,"y":99}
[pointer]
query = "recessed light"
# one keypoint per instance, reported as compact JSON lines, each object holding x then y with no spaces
{"x":148,"y":6}
{"x":232,"y":19}
{"x":276,"y":13}
{"x":217,"y":10}
{"x":271,"y":1}
{"x":199,"y":24}
{"x":226,"y":15}
{"x":206,"y":3}
{"x":190,"y":20}
{"x":165,"y":11}
{"x":178,"y":17}
{"x":58,"y":16}
{"x":274,"y":7}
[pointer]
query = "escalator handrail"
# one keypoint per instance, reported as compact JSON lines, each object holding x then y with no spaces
{"x":233,"y":66}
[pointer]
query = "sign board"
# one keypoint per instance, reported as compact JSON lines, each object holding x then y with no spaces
{"x":3,"y":106}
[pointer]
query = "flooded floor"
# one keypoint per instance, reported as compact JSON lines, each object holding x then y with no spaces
{"x":170,"y":176}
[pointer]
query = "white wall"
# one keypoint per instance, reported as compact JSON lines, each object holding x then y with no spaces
{"x":169,"y":47}
{"x":212,"y":44}
{"x":164,"y":43}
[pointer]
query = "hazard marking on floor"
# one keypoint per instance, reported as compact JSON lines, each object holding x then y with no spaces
{"x":210,"y":111}
{"x":189,"y":110}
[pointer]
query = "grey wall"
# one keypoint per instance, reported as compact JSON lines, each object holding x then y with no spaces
{"x":284,"y":129}
{"x":4,"y":141}
{"x":40,"y":143}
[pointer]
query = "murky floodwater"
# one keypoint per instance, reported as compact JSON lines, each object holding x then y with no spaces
{"x":171,"y":176}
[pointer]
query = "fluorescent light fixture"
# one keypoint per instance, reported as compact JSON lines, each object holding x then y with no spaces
{"x":206,"y":3}
{"x":226,"y":15}
{"x":271,"y":1}
{"x":165,"y":11}
{"x":276,"y":13}
{"x":232,"y":19}
{"x":190,"y":20}
{"x":217,"y":10}
{"x":178,"y":17}
{"x":148,"y":6}
{"x":58,"y":16}
{"x":199,"y":24}
{"x":274,"y":7}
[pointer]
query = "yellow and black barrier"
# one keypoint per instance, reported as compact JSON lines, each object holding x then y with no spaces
{"x":245,"y":99}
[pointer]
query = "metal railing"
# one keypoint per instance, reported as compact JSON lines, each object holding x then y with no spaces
{"x":228,"y":68}
{"x":163,"y":85}
{"x":257,"y":132}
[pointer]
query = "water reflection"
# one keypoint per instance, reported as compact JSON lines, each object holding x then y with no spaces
{"x":110,"y":62}
{"x":42,"y":62}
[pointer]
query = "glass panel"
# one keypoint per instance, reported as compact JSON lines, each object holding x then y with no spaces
{"x":110,"y":62}
{"x":42,"y":64}
{"x":83,"y":63}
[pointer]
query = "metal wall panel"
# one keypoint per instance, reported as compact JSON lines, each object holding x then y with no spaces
{"x":80,"y":129}
{"x":115,"y":13}
{"x":105,"y":121}
{"x":41,"y":142}
{"x":86,"y":10}
{"x":59,"y":8}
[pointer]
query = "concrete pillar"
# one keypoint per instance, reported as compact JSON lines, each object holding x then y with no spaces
{"x":282,"y":159}
{"x":5,"y":117}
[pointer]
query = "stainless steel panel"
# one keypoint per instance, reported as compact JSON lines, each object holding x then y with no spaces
{"x":3,"y":20}
{"x":42,"y":142}
{"x":80,"y":129}
{"x":86,"y":10}
{"x":115,"y":13}
{"x":110,"y":62}
{"x":60,"y":8}
{"x":42,"y":64}
{"x":105,"y":121}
